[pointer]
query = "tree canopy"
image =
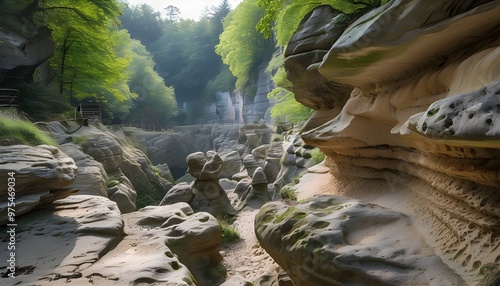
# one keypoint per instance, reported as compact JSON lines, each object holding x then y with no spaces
{"x":95,"y":59}
{"x":241,"y":46}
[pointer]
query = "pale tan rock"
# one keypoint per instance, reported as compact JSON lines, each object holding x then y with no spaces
{"x":325,"y":240}
{"x":195,"y":162}
{"x":180,"y":193}
{"x":250,"y":164}
{"x":91,"y":178}
{"x":419,"y":131}
{"x":194,"y":237}
{"x":232,"y":164}
{"x":37,"y":175}
{"x":85,"y":240}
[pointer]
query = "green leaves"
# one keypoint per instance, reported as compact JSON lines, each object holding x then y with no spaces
{"x":241,"y":46}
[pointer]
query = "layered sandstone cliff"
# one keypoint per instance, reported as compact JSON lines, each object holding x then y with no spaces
{"x":407,"y":103}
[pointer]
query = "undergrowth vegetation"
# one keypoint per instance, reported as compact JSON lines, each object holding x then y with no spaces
{"x":229,"y":232}
{"x":15,"y":130}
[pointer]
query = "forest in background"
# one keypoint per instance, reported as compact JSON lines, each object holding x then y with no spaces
{"x":142,"y":64}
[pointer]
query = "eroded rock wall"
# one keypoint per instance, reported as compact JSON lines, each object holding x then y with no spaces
{"x":420,"y":131}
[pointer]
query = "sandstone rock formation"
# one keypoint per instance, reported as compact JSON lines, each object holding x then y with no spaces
{"x":85,"y":240}
{"x":256,"y":107}
{"x":110,"y":166}
{"x":208,"y":195}
{"x":253,"y":193}
{"x":37,"y":176}
{"x":421,"y":123}
{"x":332,"y":240}
{"x":92,"y":178}
{"x":193,"y":237}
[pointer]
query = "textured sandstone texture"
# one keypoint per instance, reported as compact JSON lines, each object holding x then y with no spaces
{"x":419,"y":132}
{"x":332,"y":240}
{"x":208,"y":195}
{"x":42,"y":174}
{"x":109,"y":166}
{"x":85,"y":240}
{"x":253,"y":193}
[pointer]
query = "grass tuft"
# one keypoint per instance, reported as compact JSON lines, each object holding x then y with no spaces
{"x":21,"y":132}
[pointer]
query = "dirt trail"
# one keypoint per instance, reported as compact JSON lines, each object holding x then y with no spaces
{"x":246,"y":258}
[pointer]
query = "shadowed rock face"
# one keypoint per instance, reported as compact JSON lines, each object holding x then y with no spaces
{"x":21,"y":55}
{"x":310,"y":43}
{"x":421,"y":124}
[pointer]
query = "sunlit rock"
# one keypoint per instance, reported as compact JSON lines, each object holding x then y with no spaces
{"x":332,"y":240}
{"x":36,"y":176}
{"x":420,"y":127}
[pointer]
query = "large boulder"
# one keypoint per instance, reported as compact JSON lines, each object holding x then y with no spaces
{"x":109,"y":161}
{"x":35,"y":176}
{"x":254,"y":193}
{"x":193,"y":237}
{"x":332,"y":240}
{"x":92,"y":179}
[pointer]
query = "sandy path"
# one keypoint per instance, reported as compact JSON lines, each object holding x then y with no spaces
{"x":246,"y":258}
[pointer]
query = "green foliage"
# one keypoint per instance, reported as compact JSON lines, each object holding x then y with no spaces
{"x":42,"y":102}
{"x":86,"y":63}
{"x":241,"y":47}
{"x":317,"y":156}
{"x":287,"y":192}
{"x":224,"y":81}
{"x":283,"y":16}
{"x":82,"y":140}
{"x":229,"y":233}
{"x":114,"y":182}
{"x":23,"y":132}
{"x":491,"y":274}
{"x":277,"y":138}
{"x":143,"y":23}
{"x":153,"y":100}
{"x":187,"y":61}
{"x":287,"y":109}
{"x":145,"y":199}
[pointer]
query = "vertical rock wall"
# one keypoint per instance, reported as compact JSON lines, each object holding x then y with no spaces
{"x":407,"y":110}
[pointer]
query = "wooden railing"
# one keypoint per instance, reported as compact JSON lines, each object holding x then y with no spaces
{"x":91,"y":112}
{"x":8,"y":97}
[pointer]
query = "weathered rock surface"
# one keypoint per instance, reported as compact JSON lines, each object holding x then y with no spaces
{"x":21,"y":53}
{"x":332,"y":240}
{"x":91,"y":179}
{"x":111,"y":166}
{"x":37,"y":176}
{"x":208,"y":195}
{"x":180,"y":193}
{"x":255,"y":107}
{"x":85,"y":240}
{"x":253,"y":193}
{"x":421,"y":124}
{"x":193,"y":237}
